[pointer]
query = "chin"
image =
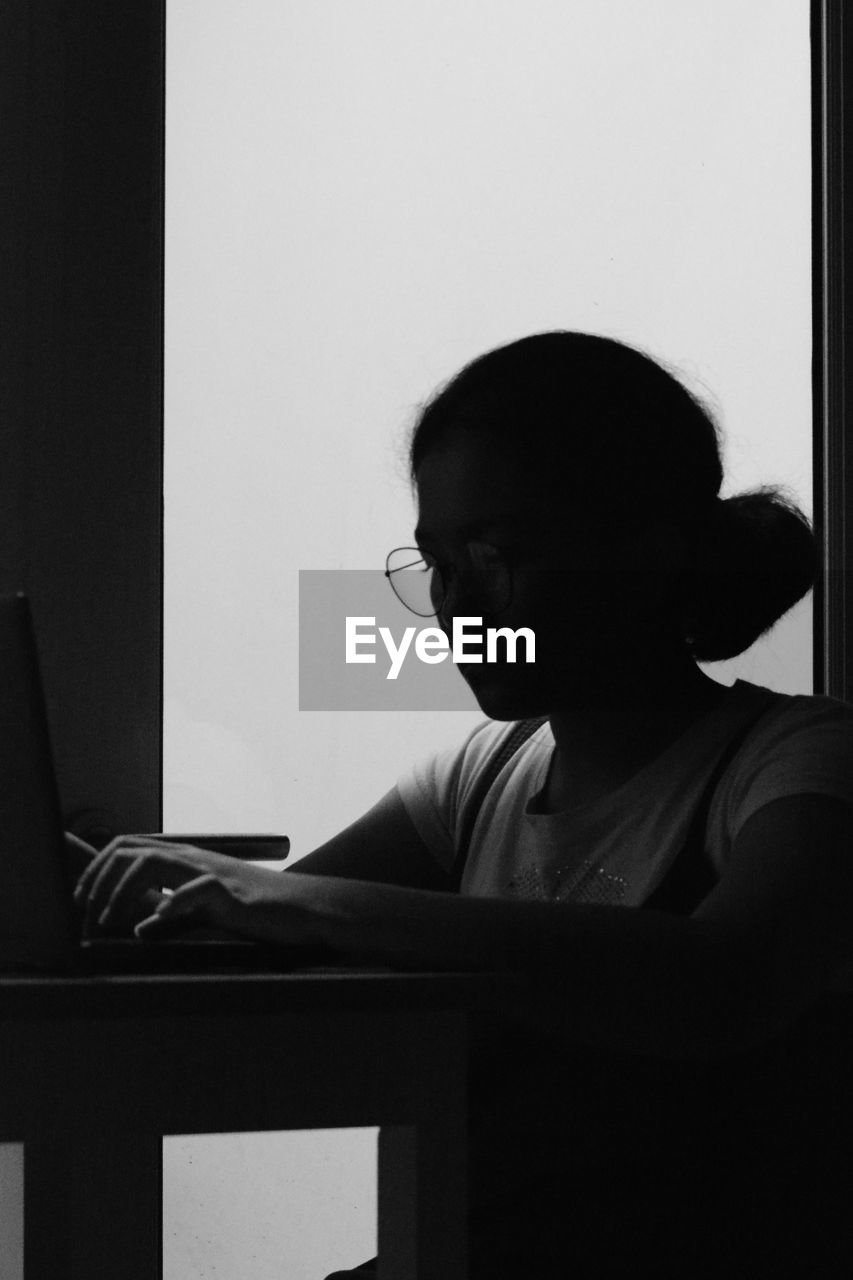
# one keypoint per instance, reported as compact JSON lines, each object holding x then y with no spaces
{"x":500,"y":699}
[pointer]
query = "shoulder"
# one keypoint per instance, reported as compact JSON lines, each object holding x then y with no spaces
{"x":458,"y":769}
{"x":798,"y":744}
{"x":788,"y":712}
{"x":437,"y":789}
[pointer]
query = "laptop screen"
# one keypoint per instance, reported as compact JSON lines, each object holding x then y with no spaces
{"x":37,"y":930}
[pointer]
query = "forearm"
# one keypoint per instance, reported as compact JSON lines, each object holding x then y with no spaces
{"x":637,"y":981}
{"x":381,"y":846}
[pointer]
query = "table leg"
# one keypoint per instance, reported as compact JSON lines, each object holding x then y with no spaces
{"x":422,"y":1204}
{"x":93,"y":1204}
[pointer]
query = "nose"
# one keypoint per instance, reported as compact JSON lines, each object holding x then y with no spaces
{"x":466,"y":599}
{"x":460,"y":598}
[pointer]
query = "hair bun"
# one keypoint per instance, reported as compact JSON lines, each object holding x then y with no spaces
{"x":754,"y":558}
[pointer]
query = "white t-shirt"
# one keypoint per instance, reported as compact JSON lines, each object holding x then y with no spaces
{"x":616,"y":849}
{"x":573,"y":1132}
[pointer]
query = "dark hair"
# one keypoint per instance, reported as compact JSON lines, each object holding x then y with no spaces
{"x":625,"y":439}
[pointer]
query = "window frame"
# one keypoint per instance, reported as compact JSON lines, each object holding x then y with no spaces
{"x":81,"y":371}
{"x":832,"y":280}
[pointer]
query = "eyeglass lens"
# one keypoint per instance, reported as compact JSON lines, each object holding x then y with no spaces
{"x":423,"y":586}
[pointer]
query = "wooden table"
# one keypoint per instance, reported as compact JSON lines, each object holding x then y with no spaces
{"x":95,"y":1071}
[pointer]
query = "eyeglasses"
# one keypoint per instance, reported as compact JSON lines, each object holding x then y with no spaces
{"x":423,"y":585}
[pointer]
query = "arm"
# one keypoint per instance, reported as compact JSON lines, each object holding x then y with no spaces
{"x":382,"y":845}
{"x":761,"y":947}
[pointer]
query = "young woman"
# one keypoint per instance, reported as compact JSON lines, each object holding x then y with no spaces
{"x":667,"y":860}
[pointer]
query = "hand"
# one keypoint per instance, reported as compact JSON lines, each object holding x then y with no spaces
{"x":258,"y":903}
{"x":155,"y":886}
{"x":125,"y":882}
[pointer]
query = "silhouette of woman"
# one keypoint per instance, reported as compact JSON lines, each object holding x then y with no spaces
{"x":664,"y":858}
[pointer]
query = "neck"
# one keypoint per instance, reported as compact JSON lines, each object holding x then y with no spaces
{"x":620,"y":728}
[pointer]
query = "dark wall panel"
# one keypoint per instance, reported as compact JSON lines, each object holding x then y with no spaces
{"x":81,"y":431}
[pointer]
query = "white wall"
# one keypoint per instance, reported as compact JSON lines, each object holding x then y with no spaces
{"x":361,"y":195}
{"x":267,"y":1206}
{"x":11,"y":1211}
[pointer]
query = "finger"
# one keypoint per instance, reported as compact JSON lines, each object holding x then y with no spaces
{"x":109,"y":872}
{"x":90,"y":874}
{"x":78,"y":854}
{"x":148,"y":870}
{"x":80,"y":845}
{"x":96,"y":866}
{"x":121,"y":844}
{"x":204,"y":899}
{"x":139,"y":888}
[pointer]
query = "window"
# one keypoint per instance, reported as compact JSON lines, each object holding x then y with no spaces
{"x":363,"y":196}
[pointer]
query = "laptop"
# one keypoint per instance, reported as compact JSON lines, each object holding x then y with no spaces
{"x":40,"y":927}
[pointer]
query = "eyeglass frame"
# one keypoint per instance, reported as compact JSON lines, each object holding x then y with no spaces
{"x":501,"y":556}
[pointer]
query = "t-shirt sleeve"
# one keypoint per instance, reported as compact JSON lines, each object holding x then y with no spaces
{"x":807,"y":749}
{"x":433,"y":791}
